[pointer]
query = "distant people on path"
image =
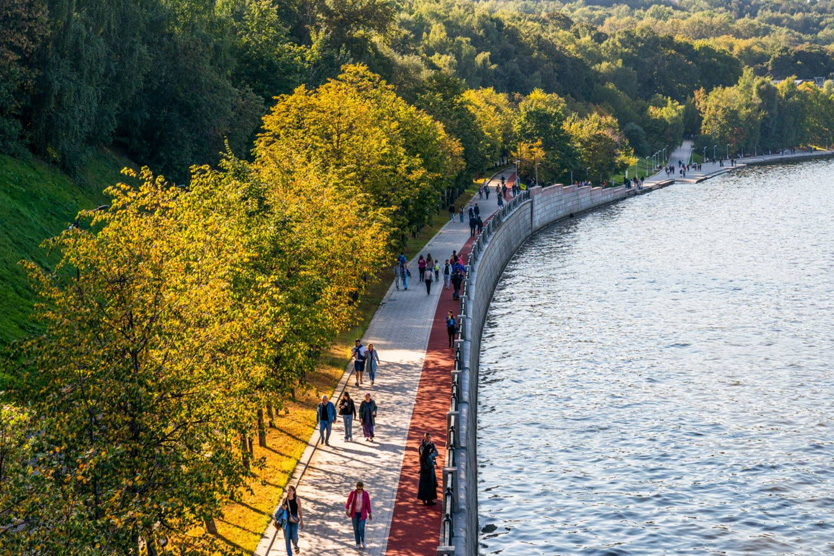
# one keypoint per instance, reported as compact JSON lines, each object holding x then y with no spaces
{"x":290,"y":518}
{"x":428,"y":278}
{"x":447,"y":274}
{"x":477,"y":210}
{"x":486,"y":190}
{"x":437,"y":270}
{"x":457,"y":280}
{"x":325,"y":415}
{"x":372,"y":356}
{"x":473,"y":225}
{"x":358,"y":509}
{"x":367,"y":415}
{"x":359,"y":354}
{"x":398,"y":274}
{"x":347,"y":409}
{"x":421,"y":268}
{"x":471,"y":212}
{"x":479,"y":225}
{"x":451,"y":213}
{"x":461,"y":215}
{"x":451,"y":326}
{"x":500,"y":201}
{"x":427,"y":487}
{"x":404,"y":273}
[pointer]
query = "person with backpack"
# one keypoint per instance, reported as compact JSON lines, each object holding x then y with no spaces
{"x":447,"y":274}
{"x":428,"y":278}
{"x":437,"y":270}
{"x":325,"y":415}
{"x":359,"y":354}
{"x":421,"y":268}
{"x":457,"y":280}
{"x":347,"y":409}
{"x":451,"y":328}
{"x":290,"y":519}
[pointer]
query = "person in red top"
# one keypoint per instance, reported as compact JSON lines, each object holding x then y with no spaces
{"x":358,"y":509}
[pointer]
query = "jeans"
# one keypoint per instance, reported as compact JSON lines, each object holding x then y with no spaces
{"x":446,"y":279}
{"x":405,"y":279}
{"x":372,"y":372}
{"x":358,"y":527}
{"x":325,"y":427}
{"x":348,"y":419}
{"x":291,"y":534}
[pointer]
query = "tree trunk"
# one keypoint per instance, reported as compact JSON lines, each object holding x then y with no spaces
{"x":211,"y":527}
{"x":271,"y":414}
{"x":261,"y":429}
{"x":244,"y":451}
{"x":251,"y":446}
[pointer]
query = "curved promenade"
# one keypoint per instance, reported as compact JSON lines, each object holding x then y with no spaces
{"x":401,"y":330}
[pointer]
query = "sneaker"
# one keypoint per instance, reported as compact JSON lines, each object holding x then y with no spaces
{"x":297,"y":551}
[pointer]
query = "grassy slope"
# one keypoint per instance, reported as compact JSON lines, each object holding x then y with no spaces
{"x":36,"y":202}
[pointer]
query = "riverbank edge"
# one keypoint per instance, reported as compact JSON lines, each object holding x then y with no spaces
{"x":761,"y":161}
{"x":510,"y":228}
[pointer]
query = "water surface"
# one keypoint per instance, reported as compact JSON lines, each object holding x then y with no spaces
{"x":656,"y":376}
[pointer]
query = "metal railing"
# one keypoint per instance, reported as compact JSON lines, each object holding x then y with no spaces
{"x":453,"y":417}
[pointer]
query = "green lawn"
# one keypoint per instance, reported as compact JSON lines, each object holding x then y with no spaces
{"x":36,"y":202}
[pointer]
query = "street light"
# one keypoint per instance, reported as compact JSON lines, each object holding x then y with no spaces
{"x":647,"y":166}
{"x":537,"y":172}
{"x":713,"y":152}
{"x":728,"y":152}
{"x":705,"y":155}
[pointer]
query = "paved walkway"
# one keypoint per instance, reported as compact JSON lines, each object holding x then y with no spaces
{"x":400,"y":332}
{"x":712,"y":169}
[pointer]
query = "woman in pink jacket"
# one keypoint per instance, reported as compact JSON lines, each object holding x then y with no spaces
{"x":358,"y":509}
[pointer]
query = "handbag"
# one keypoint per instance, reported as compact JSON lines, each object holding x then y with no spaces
{"x":294,"y":519}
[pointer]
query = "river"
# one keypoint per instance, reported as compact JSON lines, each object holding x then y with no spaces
{"x":657,"y":377}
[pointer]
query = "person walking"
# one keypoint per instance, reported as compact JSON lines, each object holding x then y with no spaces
{"x":347,"y":409}
{"x":461,"y":215}
{"x":421,"y":268}
{"x":325,"y":415}
{"x":451,"y":213}
{"x":358,"y":509}
{"x":359,"y":354}
{"x":473,"y":224}
{"x":486,"y":190}
{"x":451,"y":326}
{"x":428,"y":277}
{"x":500,"y":201}
{"x":457,"y":280}
{"x":437,"y":270}
{"x":447,"y":274}
{"x":367,"y":414}
{"x":290,"y":518}
{"x":373,"y":362}
{"x":479,"y":225}
{"x":398,"y":274}
{"x":477,"y":210}
{"x":427,"y":486}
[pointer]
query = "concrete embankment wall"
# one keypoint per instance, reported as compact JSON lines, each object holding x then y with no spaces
{"x":506,"y":232}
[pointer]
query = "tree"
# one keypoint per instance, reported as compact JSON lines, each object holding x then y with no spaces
{"x":24,"y":25}
{"x":355,"y":131}
{"x":541,"y":117}
{"x":493,"y":114}
{"x":602,"y":149}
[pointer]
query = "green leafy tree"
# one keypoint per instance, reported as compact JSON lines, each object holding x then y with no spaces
{"x":603,"y":151}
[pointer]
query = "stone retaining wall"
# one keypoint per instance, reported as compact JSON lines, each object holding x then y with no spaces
{"x":506,"y":232}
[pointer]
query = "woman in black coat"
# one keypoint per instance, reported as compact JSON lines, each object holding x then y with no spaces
{"x":427,"y":487}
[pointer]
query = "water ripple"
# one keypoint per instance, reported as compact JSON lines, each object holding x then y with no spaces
{"x":668,"y":390}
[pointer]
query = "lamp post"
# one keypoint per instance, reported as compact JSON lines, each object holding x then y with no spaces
{"x":713,"y":152}
{"x":537,"y":172}
{"x":647,"y":166}
{"x":728,"y":151}
{"x":588,"y":174}
{"x":705,"y":155}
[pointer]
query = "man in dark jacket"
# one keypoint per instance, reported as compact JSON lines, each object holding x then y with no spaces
{"x":457,"y":280}
{"x":325,"y":415}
